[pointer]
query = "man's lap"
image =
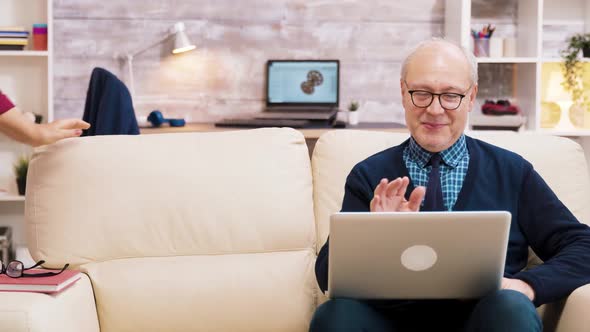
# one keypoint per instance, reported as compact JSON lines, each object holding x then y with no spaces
{"x":419,"y":315}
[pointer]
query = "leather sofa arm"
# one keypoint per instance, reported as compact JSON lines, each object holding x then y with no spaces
{"x":574,"y":316}
{"x":71,"y":310}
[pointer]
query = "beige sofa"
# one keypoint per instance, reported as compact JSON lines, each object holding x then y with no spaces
{"x":214,"y":231}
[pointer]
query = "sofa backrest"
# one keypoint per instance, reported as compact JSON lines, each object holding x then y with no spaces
{"x":560,"y":161}
{"x":181,"y":232}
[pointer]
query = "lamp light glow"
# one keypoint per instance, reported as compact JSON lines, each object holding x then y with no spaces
{"x":181,"y":44}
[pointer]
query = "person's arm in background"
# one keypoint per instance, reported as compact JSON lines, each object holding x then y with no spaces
{"x":16,"y":126}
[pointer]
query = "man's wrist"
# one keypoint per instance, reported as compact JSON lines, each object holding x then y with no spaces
{"x":528,"y":290}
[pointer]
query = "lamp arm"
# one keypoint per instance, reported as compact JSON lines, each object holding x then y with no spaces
{"x":130,"y":68}
{"x":129,"y":57}
{"x":138,"y":52}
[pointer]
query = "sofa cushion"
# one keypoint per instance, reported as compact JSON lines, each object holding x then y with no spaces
{"x":108,"y":197}
{"x":271,"y":291}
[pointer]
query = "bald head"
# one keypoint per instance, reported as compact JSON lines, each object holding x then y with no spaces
{"x":430,"y":49}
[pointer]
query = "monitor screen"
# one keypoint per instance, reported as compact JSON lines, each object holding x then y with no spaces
{"x":302,"y":82}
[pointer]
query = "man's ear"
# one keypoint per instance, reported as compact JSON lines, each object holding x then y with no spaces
{"x":402,"y":87}
{"x":472,"y":96}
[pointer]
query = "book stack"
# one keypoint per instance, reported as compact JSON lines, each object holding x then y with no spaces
{"x":51,"y":284}
{"x":13,"y":38}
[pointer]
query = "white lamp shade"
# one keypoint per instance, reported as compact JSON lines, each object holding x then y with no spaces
{"x":181,"y":43}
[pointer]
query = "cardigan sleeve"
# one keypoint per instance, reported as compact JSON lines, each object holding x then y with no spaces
{"x":557,"y":237}
{"x":5,"y":103}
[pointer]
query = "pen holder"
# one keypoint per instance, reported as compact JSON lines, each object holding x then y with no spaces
{"x":481,"y":47}
{"x":40,"y":37}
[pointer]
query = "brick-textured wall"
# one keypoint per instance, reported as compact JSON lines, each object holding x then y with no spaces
{"x":225,"y":75}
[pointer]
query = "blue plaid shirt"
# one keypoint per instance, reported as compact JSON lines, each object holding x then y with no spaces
{"x":452,"y":170}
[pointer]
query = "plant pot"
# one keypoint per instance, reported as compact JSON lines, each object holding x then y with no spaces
{"x":21,"y":183}
{"x":353,"y":118}
{"x":586,"y":52}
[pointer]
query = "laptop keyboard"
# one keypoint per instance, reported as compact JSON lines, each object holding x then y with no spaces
{"x":258,"y":123}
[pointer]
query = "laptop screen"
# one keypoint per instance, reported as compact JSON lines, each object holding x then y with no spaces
{"x":302,"y":82}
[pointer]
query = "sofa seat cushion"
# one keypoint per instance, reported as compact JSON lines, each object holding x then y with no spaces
{"x":265,"y":291}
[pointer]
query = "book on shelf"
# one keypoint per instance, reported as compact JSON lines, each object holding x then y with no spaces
{"x":51,"y":284}
{"x":14,"y":34}
{"x":13,"y":38}
{"x":13,"y":41}
{"x":12,"y":47}
{"x":12,"y":28}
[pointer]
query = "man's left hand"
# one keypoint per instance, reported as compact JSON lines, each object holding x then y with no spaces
{"x":519,"y":286}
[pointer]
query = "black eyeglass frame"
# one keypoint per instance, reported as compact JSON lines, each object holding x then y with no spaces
{"x":432,"y":94}
{"x":23,"y":269}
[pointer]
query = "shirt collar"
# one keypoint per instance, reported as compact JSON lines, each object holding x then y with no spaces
{"x":451,"y":156}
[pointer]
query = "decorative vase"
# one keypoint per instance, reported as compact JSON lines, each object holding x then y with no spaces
{"x":550,"y":114}
{"x":576,"y":115}
{"x":21,"y":183}
{"x":353,"y":118}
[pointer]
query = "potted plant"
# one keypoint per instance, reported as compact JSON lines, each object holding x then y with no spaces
{"x":353,"y":114}
{"x":573,"y":72}
{"x":21,"y":166}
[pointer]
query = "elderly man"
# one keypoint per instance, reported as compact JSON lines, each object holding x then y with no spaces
{"x":439,"y":168}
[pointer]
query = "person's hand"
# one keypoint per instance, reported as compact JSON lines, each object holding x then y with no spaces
{"x":519,"y":286}
{"x":389,"y":196}
{"x":59,"y":129}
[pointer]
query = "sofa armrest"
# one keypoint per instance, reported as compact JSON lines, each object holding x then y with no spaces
{"x":71,"y":310}
{"x":574,"y":316}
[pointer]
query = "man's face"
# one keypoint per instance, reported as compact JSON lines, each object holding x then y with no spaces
{"x":437,"y":69}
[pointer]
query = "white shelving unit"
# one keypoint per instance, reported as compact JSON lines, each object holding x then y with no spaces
{"x":27,"y":78}
{"x":532,"y":27}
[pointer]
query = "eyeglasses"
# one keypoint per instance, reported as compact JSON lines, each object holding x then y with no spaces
{"x":448,"y":100}
{"x":16,"y":269}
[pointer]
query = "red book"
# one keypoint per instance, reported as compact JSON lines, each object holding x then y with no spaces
{"x":51,"y":284}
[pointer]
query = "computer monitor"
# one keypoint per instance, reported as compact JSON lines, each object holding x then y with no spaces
{"x":302,"y":83}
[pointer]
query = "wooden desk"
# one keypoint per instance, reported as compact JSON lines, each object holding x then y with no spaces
{"x":314,"y":133}
{"x":311,"y":135}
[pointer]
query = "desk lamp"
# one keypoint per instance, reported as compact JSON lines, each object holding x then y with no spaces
{"x":181,"y":45}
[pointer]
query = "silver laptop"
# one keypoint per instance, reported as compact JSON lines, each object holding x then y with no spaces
{"x":417,"y":255}
{"x":302,"y":89}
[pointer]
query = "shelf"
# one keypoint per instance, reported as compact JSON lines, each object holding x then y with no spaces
{"x":561,"y":60}
{"x":568,"y":133}
{"x":308,"y":133}
{"x":24,"y":53}
{"x":507,"y":60}
{"x":11,"y":198}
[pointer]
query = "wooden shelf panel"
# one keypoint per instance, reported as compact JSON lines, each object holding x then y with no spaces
{"x":11,"y":198}
{"x":24,"y":53}
{"x":507,"y":60}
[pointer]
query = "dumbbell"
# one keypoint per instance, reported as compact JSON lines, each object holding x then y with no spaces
{"x":157,"y":119}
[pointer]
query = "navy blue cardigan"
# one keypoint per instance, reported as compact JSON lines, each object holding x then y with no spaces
{"x":108,"y":108}
{"x":496,"y":179}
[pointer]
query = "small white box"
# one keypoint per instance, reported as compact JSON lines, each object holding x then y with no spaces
{"x":509,"y":47}
{"x":496,"y":47}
